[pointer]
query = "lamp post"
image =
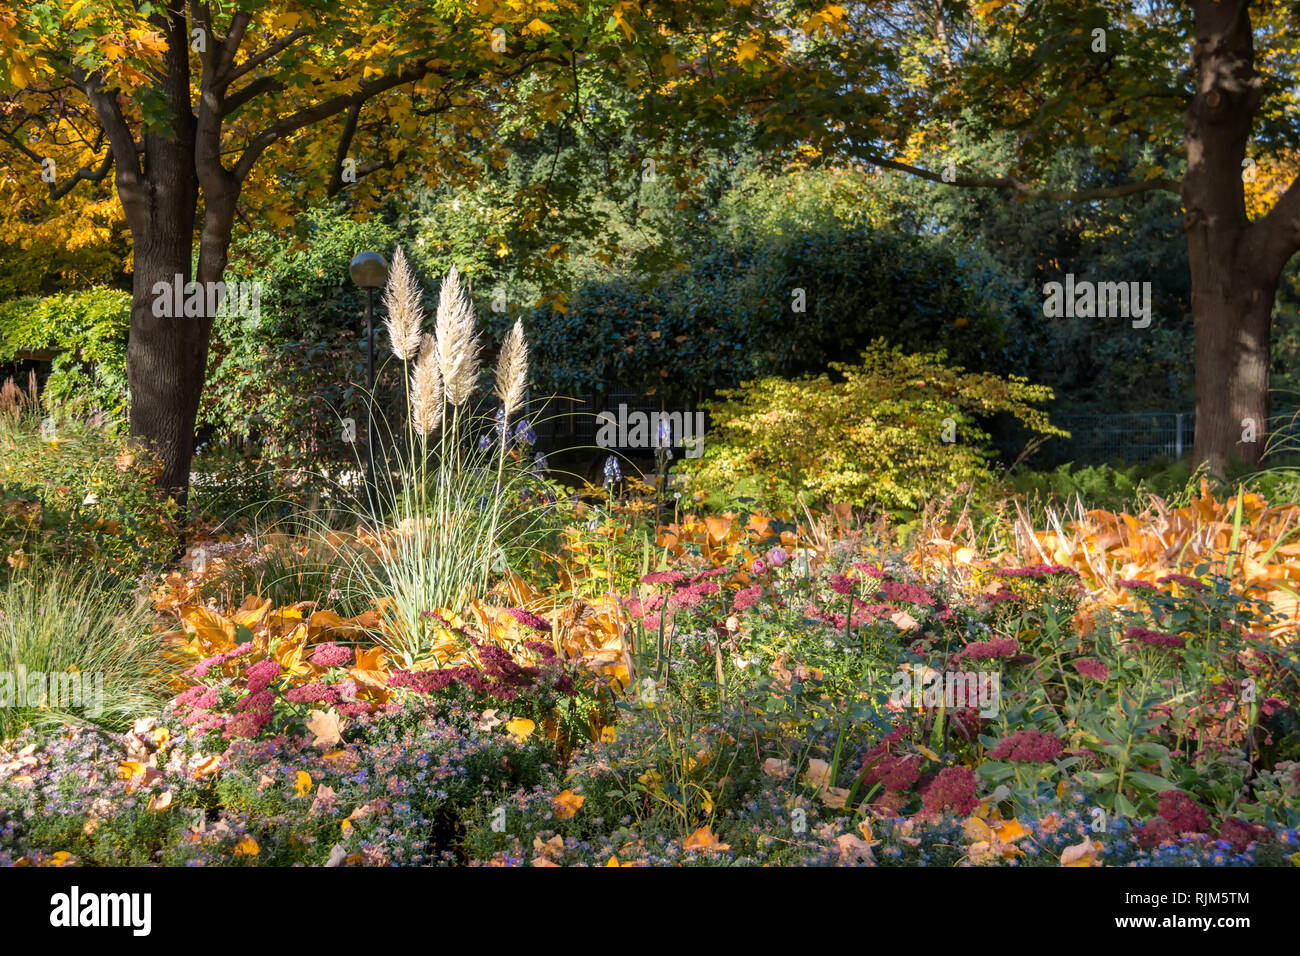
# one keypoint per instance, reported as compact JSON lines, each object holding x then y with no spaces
{"x":370,"y":271}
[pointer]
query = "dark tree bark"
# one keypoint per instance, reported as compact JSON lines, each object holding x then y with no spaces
{"x":1235,"y":264}
{"x":159,"y":191}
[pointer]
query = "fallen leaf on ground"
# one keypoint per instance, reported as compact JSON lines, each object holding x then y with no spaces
{"x":326,"y":727}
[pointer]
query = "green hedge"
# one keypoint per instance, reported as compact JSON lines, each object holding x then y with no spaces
{"x":730,"y":315}
{"x":89,"y":328}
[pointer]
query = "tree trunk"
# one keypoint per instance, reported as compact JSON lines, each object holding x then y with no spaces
{"x":1232,"y":307}
{"x":166,"y":360}
{"x":166,"y":354}
{"x":1235,"y":264}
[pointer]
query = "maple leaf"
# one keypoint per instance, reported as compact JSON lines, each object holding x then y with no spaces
{"x":818,"y":774}
{"x":1082,"y":854}
{"x":853,"y":850}
{"x":324,"y":801}
{"x":326,"y":727}
{"x":547,"y":851}
{"x":777,"y":768}
{"x":487,"y":720}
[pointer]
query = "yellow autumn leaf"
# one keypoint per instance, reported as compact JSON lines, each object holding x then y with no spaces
{"x":520,"y":728}
{"x":247,"y":847}
{"x":326,"y":727}
{"x":1009,"y":831}
{"x":1081,"y":854}
{"x":302,"y":783}
{"x":19,"y":74}
{"x":748,"y":50}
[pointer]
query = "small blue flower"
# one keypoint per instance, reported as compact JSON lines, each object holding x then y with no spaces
{"x":539,"y":464}
{"x":524,"y":433}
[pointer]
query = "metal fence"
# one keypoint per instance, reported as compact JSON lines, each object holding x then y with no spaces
{"x":1141,"y":437}
{"x":1125,"y":437}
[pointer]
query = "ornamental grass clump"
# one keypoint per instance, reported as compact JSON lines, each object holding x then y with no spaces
{"x":77,"y":646}
{"x":459,"y":511}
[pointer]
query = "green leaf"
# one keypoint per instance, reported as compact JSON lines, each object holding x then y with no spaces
{"x":1149,"y":781}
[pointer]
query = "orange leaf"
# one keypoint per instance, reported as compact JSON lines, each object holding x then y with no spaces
{"x":566,"y":804}
{"x":703,"y":839}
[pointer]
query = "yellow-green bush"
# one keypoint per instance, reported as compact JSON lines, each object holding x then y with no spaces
{"x":875,"y":434}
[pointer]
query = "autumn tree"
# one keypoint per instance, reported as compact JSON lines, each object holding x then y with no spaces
{"x":207,"y":114}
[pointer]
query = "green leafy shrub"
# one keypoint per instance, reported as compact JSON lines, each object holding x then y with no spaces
{"x":1106,"y":486}
{"x":889,"y":432}
{"x":283,"y":380}
{"x":72,"y":486}
{"x":88,"y":328}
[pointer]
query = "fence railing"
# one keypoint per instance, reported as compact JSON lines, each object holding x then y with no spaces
{"x":1140,"y":437}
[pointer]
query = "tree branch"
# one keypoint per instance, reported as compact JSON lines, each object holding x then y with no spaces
{"x":314,"y":114}
{"x":263,"y":84}
{"x":109,"y":113}
{"x":1280,"y":226}
{"x":1030,"y":192}
{"x":230,"y":46}
{"x":83,"y":173}
{"x":340,"y":154}
{"x":276,"y":47}
{"x":35,"y":157}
